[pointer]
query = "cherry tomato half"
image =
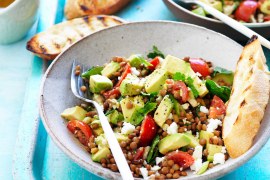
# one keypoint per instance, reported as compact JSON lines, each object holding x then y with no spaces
{"x":148,"y":131}
{"x":245,"y":10}
{"x":200,"y":66}
{"x":180,"y":86}
{"x":139,"y":154}
{"x":217,"y":108}
{"x":154,"y":63}
{"x":83,"y":127}
{"x":183,"y":159}
{"x":124,"y":75}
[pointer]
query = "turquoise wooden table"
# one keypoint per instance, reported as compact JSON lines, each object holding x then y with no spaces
{"x":26,"y":152}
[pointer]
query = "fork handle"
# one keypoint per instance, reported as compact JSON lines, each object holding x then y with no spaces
{"x":233,"y":23}
{"x":114,"y":145}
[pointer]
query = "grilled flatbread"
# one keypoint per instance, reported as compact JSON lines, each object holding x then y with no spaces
{"x":250,"y":94}
{"x":56,"y":39}
{"x":78,"y":8}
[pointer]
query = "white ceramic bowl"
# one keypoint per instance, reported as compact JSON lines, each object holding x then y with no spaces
{"x":17,"y":19}
{"x":173,"y":38}
{"x":186,"y":15}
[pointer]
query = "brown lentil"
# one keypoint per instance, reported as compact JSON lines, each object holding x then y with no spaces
{"x":163,"y":92}
{"x":175,"y":175}
{"x":136,"y":140}
{"x":164,"y":170}
{"x":205,"y":152}
{"x":104,"y":165}
{"x":181,"y":130}
{"x":129,"y":105}
{"x":114,"y":167}
{"x":190,"y":151}
{"x":171,"y":171}
{"x":150,"y":173}
{"x":220,"y":142}
{"x":103,"y":160}
{"x":112,"y":161}
{"x":169,"y":175}
{"x":202,"y":142}
{"x":175,"y":167}
{"x":77,"y":72}
{"x":123,"y":144}
{"x":210,"y":165}
{"x":183,"y":173}
{"x":217,"y":133}
{"x":83,"y":88}
{"x":170,"y":163}
{"x":204,"y":127}
{"x":175,"y":118}
{"x":133,"y":145}
{"x":168,"y":121}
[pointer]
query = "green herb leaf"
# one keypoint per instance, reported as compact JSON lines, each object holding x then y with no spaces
{"x":218,"y":70}
{"x":189,"y":82}
{"x":156,"y":52}
{"x":136,"y":60}
{"x":109,"y":112}
{"x":139,"y":114}
{"x":152,"y":96}
{"x":153,"y":152}
{"x":221,"y":91}
{"x":179,"y":77}
{"x":92,"y":71}
{"x":176,"y":105}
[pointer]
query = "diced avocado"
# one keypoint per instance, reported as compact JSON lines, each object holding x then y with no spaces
{"x":205,"y":135}
{"x":173,"y":64}
{"x":87,"y":120}
{"x":199,"y":11}
{"x":265,"y":7}
{"x":110,"y":69}
{"x":131,"y":86}
{"x":155,"y":81}
{"x":193,"y":141}
{"x":173,"y":142}
{"x":137,"y":102}
{"x":121,"y":137}
{"x":177,"y":107}
{"x":203,"y":168}
{"x":76,"y":112}
{"x":136,"y":60}
{"x":115,"y":116}
{"x":102,"y":153}
{"x":101,"y":141}
{"x":163,"y":111}
{"x":221,"y":78}
{"x":98,"y":131}
{"x":98,"y":98}
{"x":229,"y":8}
{"x":192,"y":100}
{"x":212,"y":149}
{"x":99,"y":83}
{"x":215,"y":4}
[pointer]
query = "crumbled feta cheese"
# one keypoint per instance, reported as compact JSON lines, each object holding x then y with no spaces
{"x":193,"y":102}
{"x":185,"y":106}
{"x":197,"y":135}
{"x":165,"y":127}
{"x":197,"y":154}
{"x":160,"y":60}
{"x":170,"y":116}
{"x":144,"y":173}
{"x":119,"y":77}
{"x":155,"y":168}
{"x":204,"y":109}
{"x":196,"y":166}
{"x":198,"y":74}
{"x":146,"y":151}
{"x":127,"y":128}
{"x":213,"y":124}
{"x":172,"y":129}
{"x":223,"y":150}
{"x":185,"y":120}
{"x":113,"y":103}
{"x":134,"y":71}
{"x":159,"y":160}
{"x":219,"y":158}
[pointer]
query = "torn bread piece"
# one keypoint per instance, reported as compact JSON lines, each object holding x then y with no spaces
{"x":59,"y":37}
{"x":248,"y":100}
{"x":79,"y":8}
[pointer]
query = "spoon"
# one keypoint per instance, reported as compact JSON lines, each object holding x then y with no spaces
{"x":229,"y":21}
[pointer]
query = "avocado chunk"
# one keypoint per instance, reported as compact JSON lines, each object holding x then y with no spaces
{"x":99,"y":83}
{"x":76,"y":112}
{"x":114,"y":117}
{"x":155,"y":81}
{"x":223,"y":79}
{"x":203,"y":168}
{"x":121,"y":137}
{"x":98,"y":131}
{"x":265,"y":7}
{"x":205,"y":135}
{"x":136,"y":60}
{"x":193,"y":141}
{"x":174,"y":65}
{"x":199,"y":11}
{"x":131,"y":85}
{"x":137,"y":102}
{"x":173,"y":142}
{"x":177,"y":107}
{"x":110,"y":69}
{"x":192,"y":100}
{"x":163,"y":111}
{"x":215,"y":4}
{"x":212,"y":149}
{"x":102,"y":153}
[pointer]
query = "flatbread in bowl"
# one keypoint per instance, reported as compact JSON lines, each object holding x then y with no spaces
{"x":247,"y":104}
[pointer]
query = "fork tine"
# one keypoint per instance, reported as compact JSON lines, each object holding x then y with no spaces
{"x":80,"y":83}
{"x":73,"y":79}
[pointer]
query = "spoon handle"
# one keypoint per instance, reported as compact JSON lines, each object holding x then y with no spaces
{"x":233,"y":23}
{"x":114,"y":145}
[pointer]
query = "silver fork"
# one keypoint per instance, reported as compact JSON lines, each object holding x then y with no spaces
{"x":229,"y":21}
{"x":76,"y":83}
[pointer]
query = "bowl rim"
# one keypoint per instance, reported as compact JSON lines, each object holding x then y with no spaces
{"x":250,"y":25}
{"x":97,"y":170}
